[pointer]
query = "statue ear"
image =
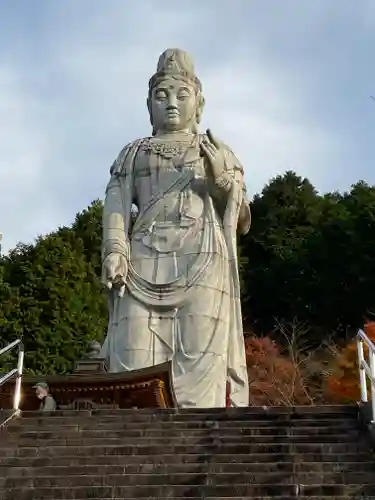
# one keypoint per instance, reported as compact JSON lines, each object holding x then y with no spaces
{"x":199,"y":110}
{"x":149,"y":108}
{"x":150,"y":115}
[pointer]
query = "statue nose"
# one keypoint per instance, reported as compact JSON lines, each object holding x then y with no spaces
{"x":172,"y":109}
{"x":172,"y":102}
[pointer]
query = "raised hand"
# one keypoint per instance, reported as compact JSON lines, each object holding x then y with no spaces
{"x":115,"y":270}
{"x":214,"y":152}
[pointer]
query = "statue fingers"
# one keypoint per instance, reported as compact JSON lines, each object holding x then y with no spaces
{"x":121,"y":291}
{"x":211,"y":148}
{"x":212,"y":139}
{"x":105,"y":278}
{"x":207,"y":151}
{"x":110,"y":271}
{"x":120,"y":279}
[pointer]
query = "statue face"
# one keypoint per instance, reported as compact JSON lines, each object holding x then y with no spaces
{"x":173,"y":105}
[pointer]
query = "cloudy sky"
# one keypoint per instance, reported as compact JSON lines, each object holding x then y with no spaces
{"x":287,"y":86}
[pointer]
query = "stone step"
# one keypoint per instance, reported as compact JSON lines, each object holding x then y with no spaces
{"x":206,"y":479}
{"x":192,"y":490}
{"x":118,"y":424}
{"x":182,"y":440}
{"x":220,"y":448}
{"x":343,"y":410}
{"x":280,"y":453}
{"x":238,"y":433}
{"x":113,"y":423}
{"x":239,"y":414}
{"x":191,"y":458}
{"x":189,"y":468}
{"x":335,"y":497}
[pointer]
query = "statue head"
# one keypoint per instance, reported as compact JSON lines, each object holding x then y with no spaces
{"x":175,"y":101}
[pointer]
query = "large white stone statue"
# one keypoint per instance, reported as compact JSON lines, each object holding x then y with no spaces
{"x":173,"y":274}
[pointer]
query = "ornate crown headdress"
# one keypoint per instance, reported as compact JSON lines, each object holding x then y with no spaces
{"x":175,"y":62}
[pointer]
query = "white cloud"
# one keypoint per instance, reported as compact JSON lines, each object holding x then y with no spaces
{"x":56,"y":146}
{"x":256,"y":112}
{"x":24,"y":151}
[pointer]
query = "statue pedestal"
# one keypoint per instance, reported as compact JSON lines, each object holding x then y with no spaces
{"x":90,"y":387}
{"x":90,"y":366}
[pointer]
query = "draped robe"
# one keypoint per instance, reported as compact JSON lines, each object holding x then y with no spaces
{"x":182,"y":298}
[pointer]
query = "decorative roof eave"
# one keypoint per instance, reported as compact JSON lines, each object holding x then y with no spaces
{"x":133,"y":380}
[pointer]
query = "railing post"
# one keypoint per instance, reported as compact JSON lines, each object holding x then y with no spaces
{"x":372,"y":371}
{"x":362,"y":374}
{"x":17,"y":393}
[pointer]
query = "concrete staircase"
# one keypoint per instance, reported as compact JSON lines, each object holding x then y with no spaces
{"x":278,"y":453}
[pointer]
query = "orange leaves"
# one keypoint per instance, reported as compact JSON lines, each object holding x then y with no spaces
{"x":370,"y":330}
{"x":342,"y":386}
{"x":275,"y":379}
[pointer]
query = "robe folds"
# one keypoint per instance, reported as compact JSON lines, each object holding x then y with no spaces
{"x":182,"y":296}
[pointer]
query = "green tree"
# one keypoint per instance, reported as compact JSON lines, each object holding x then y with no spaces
{"x":307,"y":257}
{"x":53,"y":300}
{"x":341,"y":262}
{"x":310,"y":257}
{"x":284,"y":215}
{"x":88,"y":227}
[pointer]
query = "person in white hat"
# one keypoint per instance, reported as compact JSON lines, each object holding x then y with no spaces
{"x":47,"y":401}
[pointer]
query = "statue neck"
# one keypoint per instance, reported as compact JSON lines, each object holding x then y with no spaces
{"x":173,"y":133}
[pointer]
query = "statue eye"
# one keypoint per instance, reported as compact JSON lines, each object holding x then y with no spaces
{"x":183,"y":95}
{"x":160,"y":95}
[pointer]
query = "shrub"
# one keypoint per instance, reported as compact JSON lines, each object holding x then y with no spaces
{"x":274,"y":378}
{"x":343,"y":385}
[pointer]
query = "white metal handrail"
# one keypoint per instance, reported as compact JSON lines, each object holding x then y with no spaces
{"x":366,"y":369}
{"x":16,"y":372}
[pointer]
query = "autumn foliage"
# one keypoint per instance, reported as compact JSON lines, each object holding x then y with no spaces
{"x":275,"y":378}
{"x":343,"y":384}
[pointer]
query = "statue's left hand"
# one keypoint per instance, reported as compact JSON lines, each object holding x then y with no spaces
{"x":114,"y":273}
{"x":214,"y":152}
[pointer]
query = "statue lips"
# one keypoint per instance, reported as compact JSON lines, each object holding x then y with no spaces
{"x":172,"y":117}
{"x":172,"y":113}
